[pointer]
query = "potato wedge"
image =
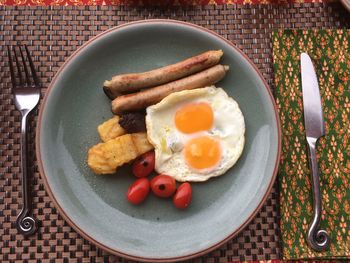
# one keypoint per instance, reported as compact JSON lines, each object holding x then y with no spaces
{"x":105,"y":158}
{"x":110,"y":129}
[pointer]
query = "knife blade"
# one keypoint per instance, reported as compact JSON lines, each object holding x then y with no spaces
{"x":317,"y":239}
{"x":313,"y":114}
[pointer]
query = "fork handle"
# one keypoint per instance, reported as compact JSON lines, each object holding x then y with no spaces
{"x":317,"y":238}
{"x":26,"y":224}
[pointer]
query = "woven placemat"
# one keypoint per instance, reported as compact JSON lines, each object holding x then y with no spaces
{"x":53,"y":33}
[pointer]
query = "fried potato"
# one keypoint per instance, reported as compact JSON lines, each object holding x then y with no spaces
{"x":110,"y":129}
{"x":105,"y":158}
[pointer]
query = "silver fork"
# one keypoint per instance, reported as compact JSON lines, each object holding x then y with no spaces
{"x":26,"y":92}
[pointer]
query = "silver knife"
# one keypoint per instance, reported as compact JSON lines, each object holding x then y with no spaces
{"x":318,"y":239}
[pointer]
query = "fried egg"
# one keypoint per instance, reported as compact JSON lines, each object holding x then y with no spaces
{"x":197,"y":134}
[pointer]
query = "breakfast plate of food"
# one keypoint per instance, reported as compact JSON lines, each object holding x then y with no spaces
{"x":158,"y":140}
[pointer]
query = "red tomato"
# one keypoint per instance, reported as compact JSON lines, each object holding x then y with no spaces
{"x":143,"y":165}
{"x":163,"y":185}
{"x":183,"y":196}
{"x":138,"y":191}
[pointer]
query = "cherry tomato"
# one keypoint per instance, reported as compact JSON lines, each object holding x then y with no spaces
{"x":183,"y":196}
{"x":143,"y":165}
{"x":163,"y":185}
{"x":138,"y":191}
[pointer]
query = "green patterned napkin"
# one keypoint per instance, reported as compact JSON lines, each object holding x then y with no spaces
{"x":330,"y":52}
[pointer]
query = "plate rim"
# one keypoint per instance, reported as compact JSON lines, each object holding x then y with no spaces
{"x":346,"y":4}
{"x":81,"y":231}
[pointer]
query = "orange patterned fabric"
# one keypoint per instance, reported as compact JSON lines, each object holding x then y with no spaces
{"x":146,"y":2}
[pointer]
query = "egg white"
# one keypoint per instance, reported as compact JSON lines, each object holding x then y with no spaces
{"x":228,"y":129}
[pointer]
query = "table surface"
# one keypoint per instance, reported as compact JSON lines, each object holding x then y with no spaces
{"x":53,"y":33}
{"x":149,"y":2}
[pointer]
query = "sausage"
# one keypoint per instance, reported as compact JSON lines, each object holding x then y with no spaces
{"x":127,"y":83}
{"x":145,"y":98}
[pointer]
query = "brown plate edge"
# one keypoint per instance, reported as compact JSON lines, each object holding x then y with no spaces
{"x":81,"y":231}
{"x":346,"y":3}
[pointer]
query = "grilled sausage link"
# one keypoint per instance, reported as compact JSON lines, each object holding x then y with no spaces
{"x":127,"y":83}
{"x":145,"y":98}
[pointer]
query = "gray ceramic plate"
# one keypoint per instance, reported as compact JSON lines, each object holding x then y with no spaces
{"x":95,"y":205}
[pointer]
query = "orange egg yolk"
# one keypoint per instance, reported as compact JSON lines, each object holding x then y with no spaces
{"x":202,"y":152}
{"x":194,"y":117}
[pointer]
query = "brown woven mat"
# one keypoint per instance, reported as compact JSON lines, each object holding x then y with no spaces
{"x":53,"y":33}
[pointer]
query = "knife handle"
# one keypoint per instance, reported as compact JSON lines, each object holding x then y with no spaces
{"x":317,"y":238}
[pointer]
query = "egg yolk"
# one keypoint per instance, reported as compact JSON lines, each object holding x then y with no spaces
{"x":194,"y":117}
{"x":202,"y":152}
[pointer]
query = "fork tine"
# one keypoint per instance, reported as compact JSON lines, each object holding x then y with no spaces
{"x":24,"y":66}
{"x":19,"y":72}
{"x":13,"y":79}
{"x":32,"y":68}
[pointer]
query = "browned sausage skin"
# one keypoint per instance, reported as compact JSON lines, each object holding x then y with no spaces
{"x":127,"y":83}
{"x":142,"y":99}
